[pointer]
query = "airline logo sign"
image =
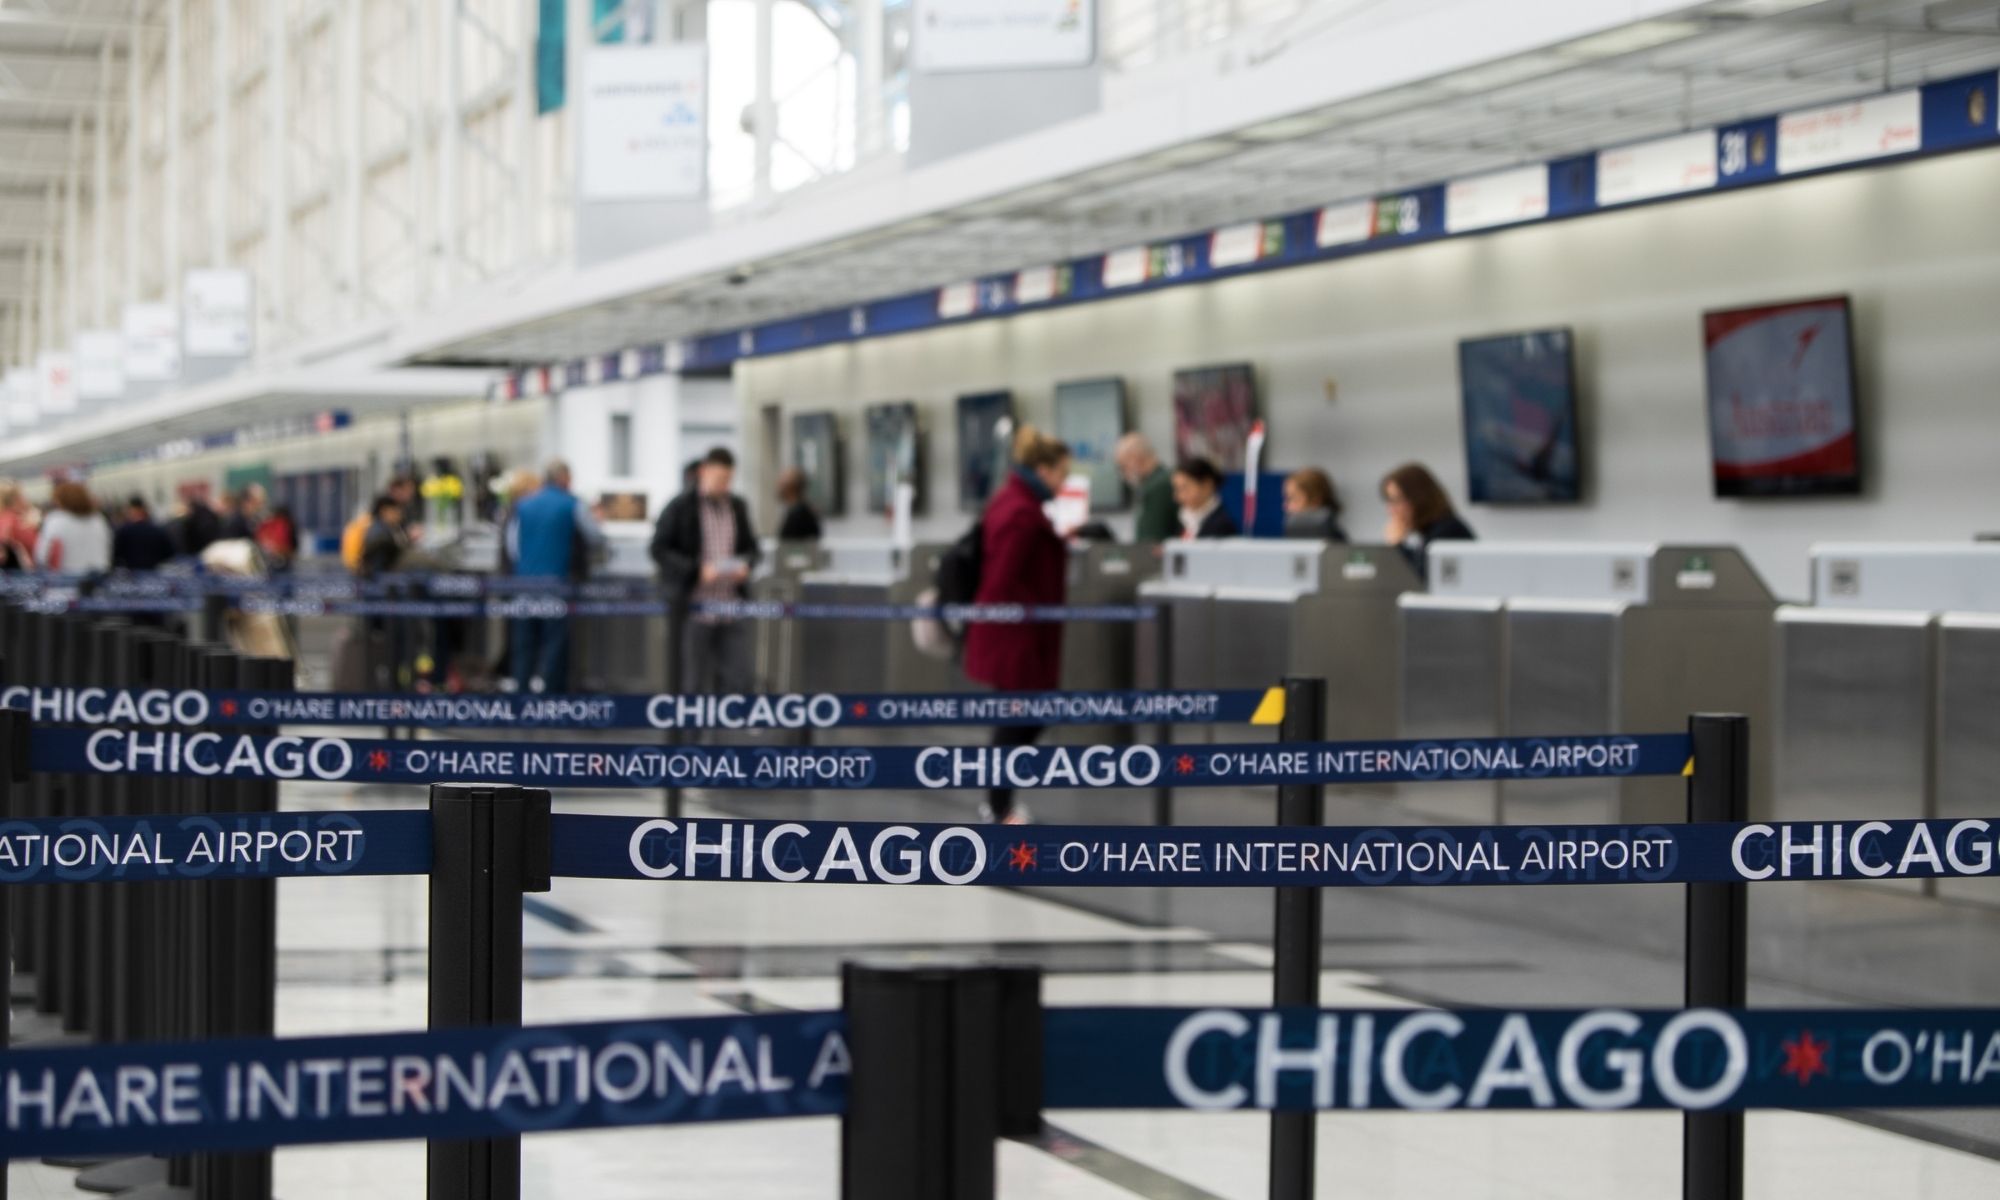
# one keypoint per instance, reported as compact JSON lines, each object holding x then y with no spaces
{"x":1600,"y":1059}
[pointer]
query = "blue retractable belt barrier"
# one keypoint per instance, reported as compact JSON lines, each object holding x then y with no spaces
{"x":237,"y":845}
{"x":214,"y":846}
{"x":926,"y":768}
{"x":159,"y":706}
{"x":458,"y":1083}
{"x":503,"y":1081}
{"x":1223,"y":1058}
{"x":1233,"y":856}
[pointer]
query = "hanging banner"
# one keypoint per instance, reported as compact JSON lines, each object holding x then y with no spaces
{"x":100,"y":365}
{"x":24,"y":406}
{"x":152,"y":343}
{"x":58,"y":379}
{"x":219,"y":313}
{"x":1004,"y":35}
{"x":644,"y":122}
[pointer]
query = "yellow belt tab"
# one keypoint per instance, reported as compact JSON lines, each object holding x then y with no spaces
{"x":1271,"y":709}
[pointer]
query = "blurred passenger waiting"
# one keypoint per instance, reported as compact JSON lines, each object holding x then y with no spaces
{"x":140,"y":544}
{"x":1419,"y":514}
{"x":243,"y":512}
{"x":1152,"y":487}
{"x":543,"y":539}
{"x":705,"y":547}
{"x":1312,"y":508}
{"x":196,"y":527}
{"x":1022,"y":561}
{"x":76,"y":539}
{"x":522,"y":484}
{"x":278,"y":537}
{"x":1198,"y":492}
{"x":800,"y":523}
{"x":385,"y":543}
{"x":18,"y":528}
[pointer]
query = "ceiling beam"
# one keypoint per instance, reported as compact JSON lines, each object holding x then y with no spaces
{"x":119,"y":27}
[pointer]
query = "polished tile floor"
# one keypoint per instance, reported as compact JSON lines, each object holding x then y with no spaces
{"x":353,"y":960}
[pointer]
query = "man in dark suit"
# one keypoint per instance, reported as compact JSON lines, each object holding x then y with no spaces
{"x":705,"y":547}
{"x":139,"y":544}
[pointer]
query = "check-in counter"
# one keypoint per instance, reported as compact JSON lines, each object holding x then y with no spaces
{"x":1968,"y":731}
{"x":780,"y":579}
{"x":1101,"y":656}
{"x":624,"y":653}
{"x":1450,"y":677}
{"x":1246,"y":613}
{"x":1889,"y":689}
{"x":850,"y":656}
{"x":1595,"y":638}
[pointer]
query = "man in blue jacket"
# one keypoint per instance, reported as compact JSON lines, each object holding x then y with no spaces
{"x":548,"y":531}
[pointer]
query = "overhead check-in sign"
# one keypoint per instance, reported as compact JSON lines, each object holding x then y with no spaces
{"x":645,"y":123}
{"x":100,"y":365}
{"x":217,"y":303}
{"x":1003,"y":35}
{"x":152,"y":343}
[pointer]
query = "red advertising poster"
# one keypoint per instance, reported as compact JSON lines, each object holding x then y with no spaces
{"x":1781,"y":406}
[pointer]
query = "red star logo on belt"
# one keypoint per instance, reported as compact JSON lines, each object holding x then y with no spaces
{"x":1184,"y":765}
{"x":229,"y":708}
{"x":378,"y":760}
{"x":859,"y":709}
{"x":1021,"y":857}
{"x":1805,"y":1057}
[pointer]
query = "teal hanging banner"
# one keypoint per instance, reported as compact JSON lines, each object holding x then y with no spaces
{"x":552,"y":47}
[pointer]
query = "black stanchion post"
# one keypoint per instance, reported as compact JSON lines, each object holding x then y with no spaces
{"x":490,"y":845}
{"x":946,"y":1061}
{"x":1163,"y":653}
{"x":1295,"y":939}
{"x":1718,"y":973}
{"x":677,"y":676}
{"x":13,"y":773}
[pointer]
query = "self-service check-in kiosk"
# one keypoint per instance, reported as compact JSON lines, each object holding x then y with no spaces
{"x":1591,"y":637}
{"x":1889,"y":689}
{"x":1246,"y":613}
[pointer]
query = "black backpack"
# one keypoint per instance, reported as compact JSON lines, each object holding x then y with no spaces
{"x":959,"y":566}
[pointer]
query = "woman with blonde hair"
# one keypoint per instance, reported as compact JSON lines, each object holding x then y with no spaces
{"x":1022,"y":561}
{"x":76,"y":539}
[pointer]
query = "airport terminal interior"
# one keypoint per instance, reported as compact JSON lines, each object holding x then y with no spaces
{"x":1528,"y":372}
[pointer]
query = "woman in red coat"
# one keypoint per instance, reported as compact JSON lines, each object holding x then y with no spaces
{"x":1022,"y":561}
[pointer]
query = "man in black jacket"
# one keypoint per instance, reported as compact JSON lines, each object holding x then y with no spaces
{"x":139,"y":544}
{"x":705,"y":547}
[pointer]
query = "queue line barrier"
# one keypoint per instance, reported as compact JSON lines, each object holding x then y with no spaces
{"x":485,"y":858}
{"x":803,"y":712}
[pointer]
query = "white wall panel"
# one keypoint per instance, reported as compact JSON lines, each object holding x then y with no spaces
{"x":1914,"y":245}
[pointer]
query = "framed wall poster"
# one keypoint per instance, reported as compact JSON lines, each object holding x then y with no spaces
{"x":1090,"y":416}
{"x":895,"y":454}
{"x":1214,"y":408}
{"x":1782,"y":414}
{"x":816,"y":451}
{"x":985,"y":446}
{"x":1518,"y":394}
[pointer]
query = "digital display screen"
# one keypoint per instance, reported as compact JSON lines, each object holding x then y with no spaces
{"x":985,"y":446}
{"x":1519,"y":397}
{"x":1090,"y":418}
{"x":1781,"y":404}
